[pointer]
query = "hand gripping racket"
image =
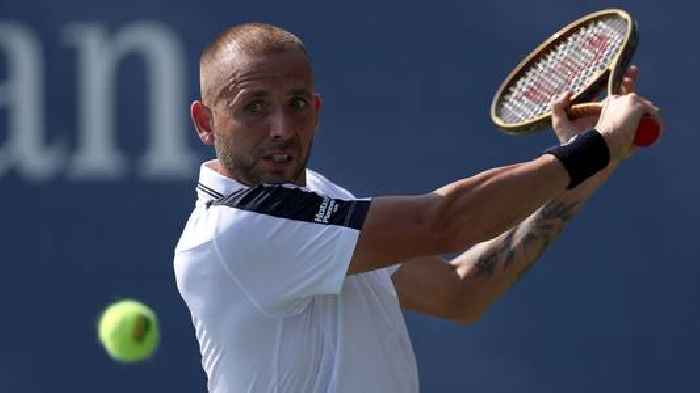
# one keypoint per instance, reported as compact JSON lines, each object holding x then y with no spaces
{"x":580,"y":58}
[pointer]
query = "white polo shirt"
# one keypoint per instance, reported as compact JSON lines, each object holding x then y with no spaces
{"x":263,"y":272}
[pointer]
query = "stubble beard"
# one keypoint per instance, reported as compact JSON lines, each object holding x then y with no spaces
{"x":243,"y":167}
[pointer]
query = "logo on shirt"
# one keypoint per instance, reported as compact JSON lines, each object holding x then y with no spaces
{"x":327,"y":207}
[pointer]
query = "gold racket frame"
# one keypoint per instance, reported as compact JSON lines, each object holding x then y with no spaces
{"x":599,"y":79}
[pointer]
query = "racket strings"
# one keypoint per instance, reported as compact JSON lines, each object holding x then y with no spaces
{"x":572,"y":65}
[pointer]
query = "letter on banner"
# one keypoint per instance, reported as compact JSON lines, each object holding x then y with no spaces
{"x":21,"y":94}
{"x":167,"y":154}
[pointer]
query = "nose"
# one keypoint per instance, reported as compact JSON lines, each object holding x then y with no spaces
{"x":281,"y":126}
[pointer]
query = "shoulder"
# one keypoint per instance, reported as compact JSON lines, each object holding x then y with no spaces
{"x":285,"y":203}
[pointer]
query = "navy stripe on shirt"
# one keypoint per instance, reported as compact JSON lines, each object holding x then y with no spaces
{"x":209,"y":191}
{"x":297,"y":204}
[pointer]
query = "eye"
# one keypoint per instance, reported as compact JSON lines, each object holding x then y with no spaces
{"x":255,"y":107}
{"x":299,"y":104}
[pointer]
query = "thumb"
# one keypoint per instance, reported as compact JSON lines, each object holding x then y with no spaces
{"x":559,"y":104}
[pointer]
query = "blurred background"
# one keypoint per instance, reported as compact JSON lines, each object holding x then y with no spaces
{"x":98,"y":163}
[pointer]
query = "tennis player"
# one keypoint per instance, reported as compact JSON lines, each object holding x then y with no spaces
{"x":294,"y":285}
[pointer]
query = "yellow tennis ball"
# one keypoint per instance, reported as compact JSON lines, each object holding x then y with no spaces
{"x":128,"y":330}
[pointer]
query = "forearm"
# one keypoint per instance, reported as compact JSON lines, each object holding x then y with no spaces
{"x":456,"y":216}
{"x":481,"y":207}
{"x":488,"y":269}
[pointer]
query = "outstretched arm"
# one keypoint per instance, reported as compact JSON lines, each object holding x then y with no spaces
{"x":464,"y":288}
{"x":478,"y":208}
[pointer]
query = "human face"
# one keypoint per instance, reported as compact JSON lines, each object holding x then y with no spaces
{"x":265,"y":118}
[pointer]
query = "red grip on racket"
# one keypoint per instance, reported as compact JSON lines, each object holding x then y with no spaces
{"x":648,"y":131}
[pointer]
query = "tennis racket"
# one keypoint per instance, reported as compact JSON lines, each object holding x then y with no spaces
{"x":582,"y":58}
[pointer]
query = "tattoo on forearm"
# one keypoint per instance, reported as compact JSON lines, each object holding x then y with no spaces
{"x":488,"y":260}
{"x":528,"y":240}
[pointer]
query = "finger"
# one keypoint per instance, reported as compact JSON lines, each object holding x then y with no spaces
{"x":649,"y":104}
{"x":559,"y":105}
{"x":629,"y":80}
{"x":561,"y":101}
{"x":628,"y":86}
{"x":632,"y":72}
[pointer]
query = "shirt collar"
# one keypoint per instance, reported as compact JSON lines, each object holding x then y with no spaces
{"x":212,"y":184}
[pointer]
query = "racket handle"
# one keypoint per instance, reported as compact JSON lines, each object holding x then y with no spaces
{"x":648,"y":131}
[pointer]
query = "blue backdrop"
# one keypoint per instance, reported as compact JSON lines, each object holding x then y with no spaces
{"x":98,"y":163}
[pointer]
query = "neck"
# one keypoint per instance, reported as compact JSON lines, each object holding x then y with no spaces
{"x":216,"y":165}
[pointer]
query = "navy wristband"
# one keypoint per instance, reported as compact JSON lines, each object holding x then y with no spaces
{"x":583,"y":156}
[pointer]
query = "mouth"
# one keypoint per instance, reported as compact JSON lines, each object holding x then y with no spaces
{"x":278,"y":159}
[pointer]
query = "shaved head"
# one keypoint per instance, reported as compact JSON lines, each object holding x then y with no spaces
{"x":236,"y":45}
{"x":258,"y":107}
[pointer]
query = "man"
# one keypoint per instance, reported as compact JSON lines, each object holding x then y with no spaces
{"x":296,"y":286}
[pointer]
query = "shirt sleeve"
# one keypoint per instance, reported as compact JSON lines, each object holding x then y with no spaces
{"x":284,"y":244}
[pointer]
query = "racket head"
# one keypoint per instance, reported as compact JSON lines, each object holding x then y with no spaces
{"x":579,"y":58}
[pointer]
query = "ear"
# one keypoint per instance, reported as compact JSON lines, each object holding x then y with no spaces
{"x":317,"y":102}
{"x":202,"y":119}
